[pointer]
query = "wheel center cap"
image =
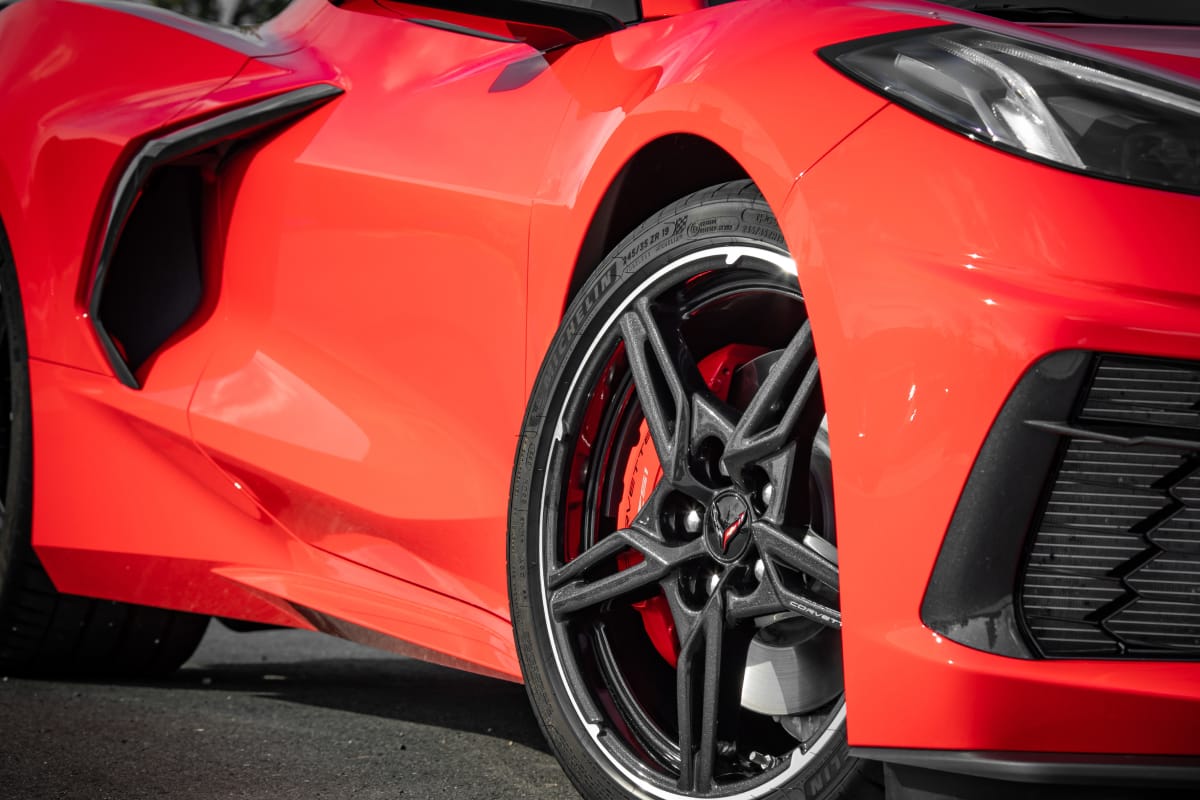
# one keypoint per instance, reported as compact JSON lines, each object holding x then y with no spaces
{"x":727,"y":527}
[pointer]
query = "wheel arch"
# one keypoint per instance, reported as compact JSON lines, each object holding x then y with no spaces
{"x":9,"y":207}
{"x":662,"y":171}
{"x":11,"y":231}
{"x":639,"y":168}
{"x":606,"y":173}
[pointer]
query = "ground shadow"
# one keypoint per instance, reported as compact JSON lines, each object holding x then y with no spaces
{"x":391,"y":688}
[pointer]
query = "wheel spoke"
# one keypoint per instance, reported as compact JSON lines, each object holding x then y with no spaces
{"x":768,"y":598}
{"x":680,"y":409}
{"x":793,"y":380}
{"x":771,"y":596}
{"x":711,"y":418}
{"x":714,"y":633}
{"x":812,"y":556}
{"x":779,"y":468}
{"x":685,"y":618}
{"x":573,"y":593}
{"x":660,"y":388}
{"x":700,"y":662}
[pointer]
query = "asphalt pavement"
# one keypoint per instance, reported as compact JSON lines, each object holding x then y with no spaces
{"x":276,"y":715}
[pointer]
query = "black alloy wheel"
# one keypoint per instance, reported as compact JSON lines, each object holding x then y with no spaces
{"x":673,"y":562}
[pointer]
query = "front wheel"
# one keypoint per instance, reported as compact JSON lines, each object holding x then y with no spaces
{"x":672,"y":548}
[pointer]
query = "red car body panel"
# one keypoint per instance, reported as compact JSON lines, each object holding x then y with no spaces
{"x":329,"y":441}
{"x":922,"y":381}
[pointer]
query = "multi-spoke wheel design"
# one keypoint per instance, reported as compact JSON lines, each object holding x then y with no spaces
{"x":675,"y":565}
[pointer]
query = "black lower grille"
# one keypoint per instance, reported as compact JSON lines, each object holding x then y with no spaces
{"x":1114,"y":564}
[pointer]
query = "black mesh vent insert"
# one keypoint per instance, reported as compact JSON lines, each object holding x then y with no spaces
{"x":1114,"y":566}
{"x":1145,"y":392}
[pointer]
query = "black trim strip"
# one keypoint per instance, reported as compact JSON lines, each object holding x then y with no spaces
{"x":1068,"y":768}
{"x":462,"y":29}
{"x":578,"y":21}
{"x":1113,"y":434}
{"x":172,"y":146}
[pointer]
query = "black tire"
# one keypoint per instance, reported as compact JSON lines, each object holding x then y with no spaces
{"x":704,"y":277}
{"x":42,"y":631}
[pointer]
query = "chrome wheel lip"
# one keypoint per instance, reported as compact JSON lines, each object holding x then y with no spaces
{"x":547,"y":530}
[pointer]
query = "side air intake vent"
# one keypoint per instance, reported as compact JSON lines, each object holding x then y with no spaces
{"x":154,"y":282}
{"x":1114,"y":564}
{"x":149,"y":275}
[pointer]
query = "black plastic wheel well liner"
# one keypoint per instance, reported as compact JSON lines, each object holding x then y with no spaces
{"x":663,"y":171}
{"x":153,"y":184}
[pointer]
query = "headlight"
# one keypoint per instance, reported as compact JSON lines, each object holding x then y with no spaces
{"x":1038,"y":101}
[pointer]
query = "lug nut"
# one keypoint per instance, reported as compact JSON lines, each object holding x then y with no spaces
{"x":759,"y":570}
{"x":768,"y":494}
{"x":711,"y":583}
{"x":692,"y":520}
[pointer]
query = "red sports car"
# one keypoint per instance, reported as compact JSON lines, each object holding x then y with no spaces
{"x":778,"y":388}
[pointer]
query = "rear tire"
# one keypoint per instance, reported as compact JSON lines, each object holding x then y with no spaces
{"x":43,"y":631}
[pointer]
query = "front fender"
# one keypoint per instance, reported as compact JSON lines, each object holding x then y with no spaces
{"x":744,"y":76}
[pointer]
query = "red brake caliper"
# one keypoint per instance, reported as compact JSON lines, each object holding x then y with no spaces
{"x":643,"y":471}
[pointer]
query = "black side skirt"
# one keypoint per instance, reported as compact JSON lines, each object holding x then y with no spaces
{"x":1058,"y":768}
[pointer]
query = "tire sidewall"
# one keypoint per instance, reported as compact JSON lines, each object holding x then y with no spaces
{"x":14,"y":527}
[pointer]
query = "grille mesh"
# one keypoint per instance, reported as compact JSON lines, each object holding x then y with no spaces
{"x":1141,"y":391}
{"x":1114,"y":568}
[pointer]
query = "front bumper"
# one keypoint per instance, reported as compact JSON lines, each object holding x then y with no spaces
{"x":937,"y":272}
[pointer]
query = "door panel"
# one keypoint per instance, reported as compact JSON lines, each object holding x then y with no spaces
{"x":367,"y":383}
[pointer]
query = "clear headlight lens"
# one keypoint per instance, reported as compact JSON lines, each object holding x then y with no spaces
{"x":1037,"y":101}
